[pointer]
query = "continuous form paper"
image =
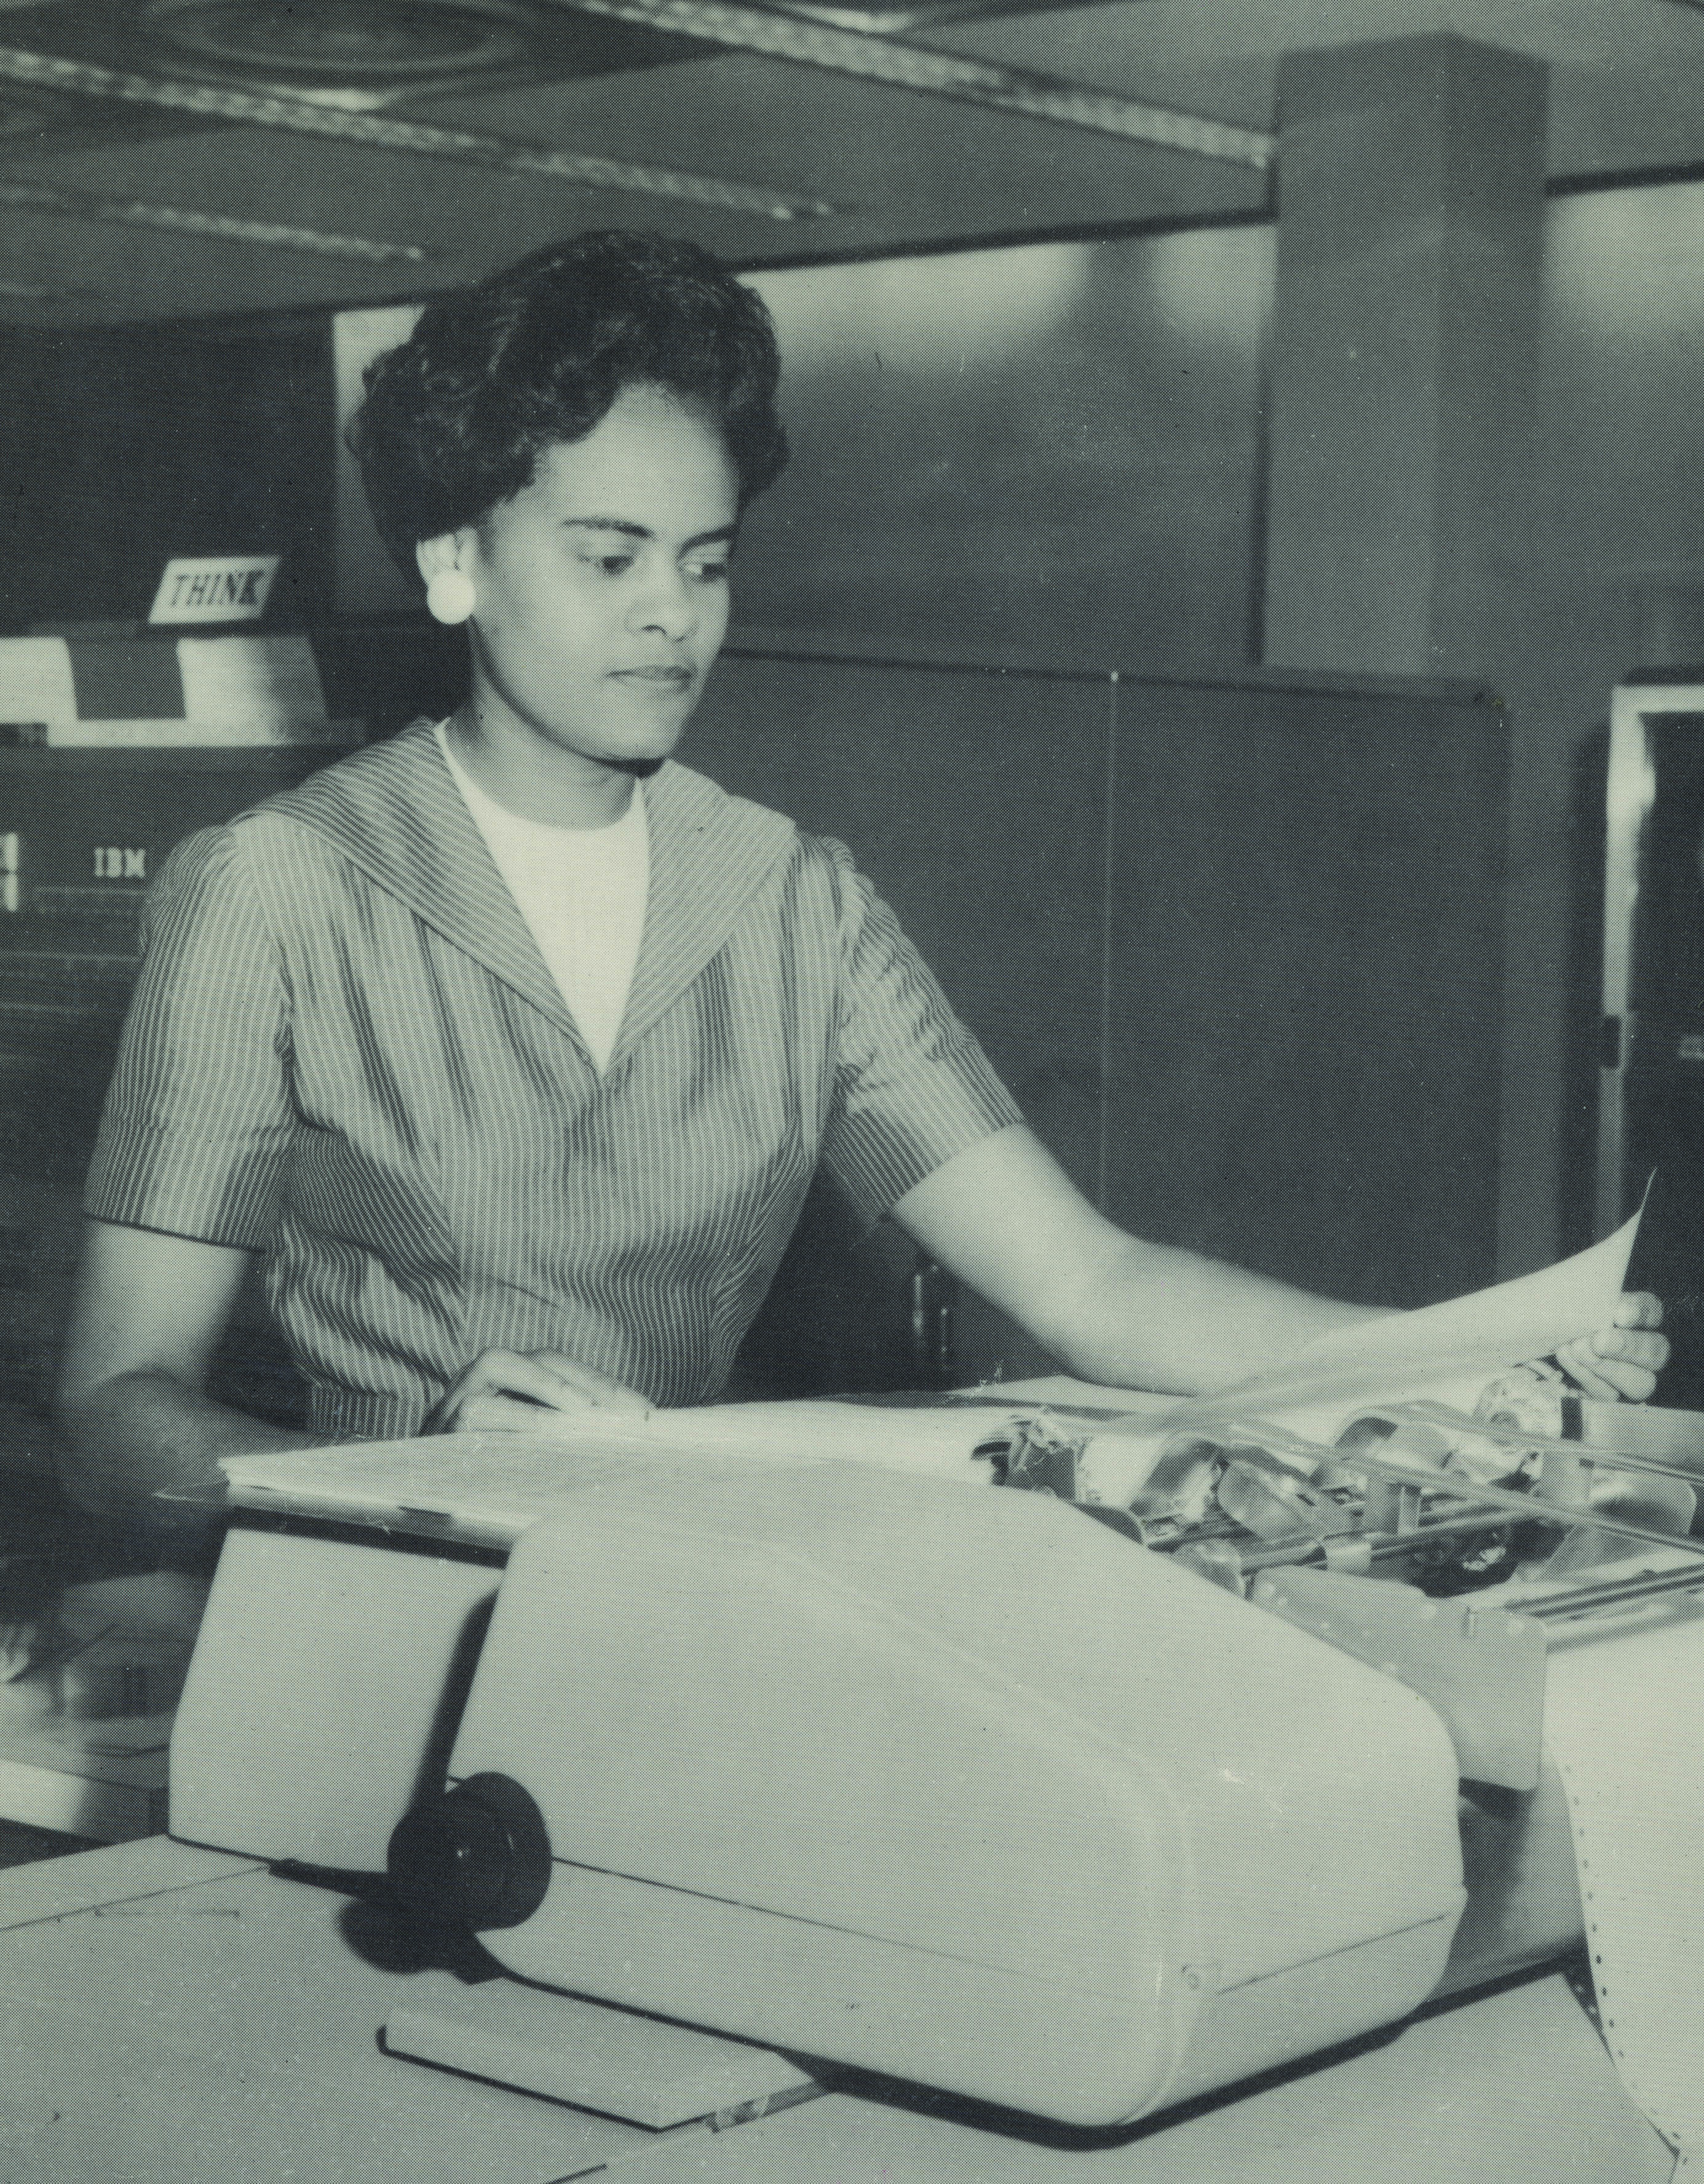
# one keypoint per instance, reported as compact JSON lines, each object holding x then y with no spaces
{"x":1624,"y":1724}
{"x":1623,"y":1709}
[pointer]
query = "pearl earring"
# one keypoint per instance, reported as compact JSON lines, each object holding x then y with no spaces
{"x":449,"y":596}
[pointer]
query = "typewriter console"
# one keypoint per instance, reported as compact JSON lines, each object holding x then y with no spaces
{"x":1084,"y":1784}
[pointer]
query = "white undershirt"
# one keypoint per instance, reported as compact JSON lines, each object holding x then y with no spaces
{"x":581,"y":891}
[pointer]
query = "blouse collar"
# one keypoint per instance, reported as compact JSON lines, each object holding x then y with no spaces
{"x":394,"y":811}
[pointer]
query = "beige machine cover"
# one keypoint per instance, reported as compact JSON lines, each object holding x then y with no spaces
{"x":962,"y":1787}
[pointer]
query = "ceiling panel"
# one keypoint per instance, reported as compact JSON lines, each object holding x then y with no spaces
{"x":900,"y":169}
{"x":1626,"y":77}
{"x":901,"y":166}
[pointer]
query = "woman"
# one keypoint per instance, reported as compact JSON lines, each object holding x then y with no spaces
{"x":513,"y":1045}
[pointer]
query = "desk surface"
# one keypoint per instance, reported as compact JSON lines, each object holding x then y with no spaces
{"x":78,"y":1766}
{"x":178,"y":2016}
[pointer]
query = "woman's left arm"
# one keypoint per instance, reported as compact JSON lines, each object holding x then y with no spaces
{"x":1003,"y":1216}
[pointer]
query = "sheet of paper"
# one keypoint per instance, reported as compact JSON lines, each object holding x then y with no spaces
{"x":258,"y":689}
{"x":35,"y":684}
{"x":1068,"y":1399}
{"x":488,"y":1487}
{"x":1405,"y":1355}
{"x":1443,"y":1352}
{"x":934,"y":1438}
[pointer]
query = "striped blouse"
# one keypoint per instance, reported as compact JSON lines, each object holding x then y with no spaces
{"x":345,"y":1052}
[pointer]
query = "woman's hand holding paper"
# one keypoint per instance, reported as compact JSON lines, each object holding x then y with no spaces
{"x":1620,"y":1362}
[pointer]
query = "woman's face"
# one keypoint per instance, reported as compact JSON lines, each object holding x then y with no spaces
{"x":600,"y":590}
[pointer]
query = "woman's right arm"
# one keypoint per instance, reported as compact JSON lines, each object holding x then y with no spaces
{"x":133,"y":1414}
{"x":194,"y":1140}
{"x":134,"y":1420}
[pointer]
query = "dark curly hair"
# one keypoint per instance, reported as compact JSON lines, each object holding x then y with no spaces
{"x":454,"y":420}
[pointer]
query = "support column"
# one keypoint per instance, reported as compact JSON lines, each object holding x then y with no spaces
{"x":1411,"y":203}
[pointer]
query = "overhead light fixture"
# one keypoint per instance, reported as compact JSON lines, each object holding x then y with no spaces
{"x":883,"y":20}
{"x":218,"y":226}
{"x":386,"y":50}
{"x":940,"y":76}
{"x":306,"y":117}
{"x":345,"y":39}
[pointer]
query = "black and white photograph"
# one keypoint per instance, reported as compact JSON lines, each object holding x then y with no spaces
{"x":851,"y":1091}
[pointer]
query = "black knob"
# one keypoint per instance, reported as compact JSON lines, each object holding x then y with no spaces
{"x":476,"y":1856}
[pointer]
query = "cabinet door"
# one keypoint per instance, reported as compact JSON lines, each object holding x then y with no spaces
{"x":1305,"y":950}
{"x":1650,"y":1110}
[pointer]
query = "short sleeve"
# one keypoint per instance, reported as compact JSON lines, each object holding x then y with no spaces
{"x":913,"y":1087}
{"x":197,"y":1125}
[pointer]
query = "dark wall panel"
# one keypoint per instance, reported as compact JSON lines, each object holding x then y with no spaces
{"x":976,"y":803}
{"x":119,"y":450}
{"x":1304,"y":1060}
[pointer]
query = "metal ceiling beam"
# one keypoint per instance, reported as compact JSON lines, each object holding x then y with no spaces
{"x":219,"y":226}
{"x":940,"y":74}
{"x":381,"y":132}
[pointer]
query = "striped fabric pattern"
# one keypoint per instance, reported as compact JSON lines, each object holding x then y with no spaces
{"x":346,"y":1051}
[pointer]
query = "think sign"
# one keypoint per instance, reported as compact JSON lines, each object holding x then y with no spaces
{"x":217,"y":587}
